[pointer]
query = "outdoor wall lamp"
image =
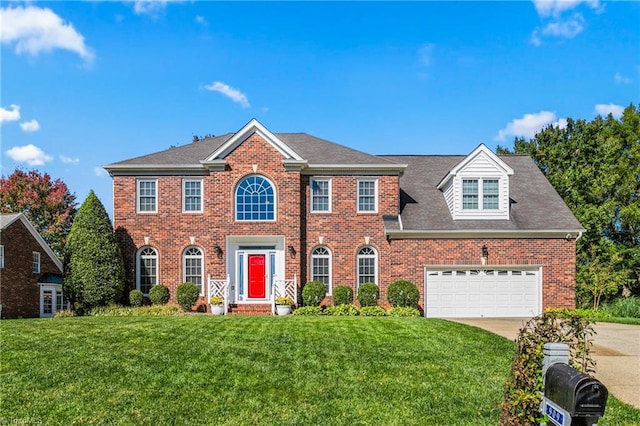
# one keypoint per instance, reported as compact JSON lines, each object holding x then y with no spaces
{"x":292,"y":251}
{"x":485,"y":251}
{"x":217,"y":249}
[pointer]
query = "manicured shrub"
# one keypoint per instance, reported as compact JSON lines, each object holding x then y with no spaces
{"x":344,"y":310}
{"x":521,"y":401}
{"x":403,"y":312}
{"x":313,"y":293}
{"x":368,"y":294}
{"x":403,"y":294}
{"x":373,"y":311}
{"x":143,"y":311}
{"x":309,"y":311}
{"x":187,"y":295}
{"x":136,"y":298}
{"x":342,"y":295}
{"x":159,"y":294}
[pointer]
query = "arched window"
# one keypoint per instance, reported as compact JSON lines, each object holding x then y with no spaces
{"x":367,"y":265}
{"x":321,"y":266}
{"x":192,"y":267}
{"x":255,"y":199}
{"x":147,"y":269}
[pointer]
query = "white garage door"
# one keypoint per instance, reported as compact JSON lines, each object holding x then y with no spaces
{"x":477,"y":293}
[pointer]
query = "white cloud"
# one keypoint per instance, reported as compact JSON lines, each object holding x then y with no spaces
{"x":556,"y":7}
{"x":529,"y":125}
{"x":621,"y":79}
{"x":30,"y":154}
{"x":10,"y":115}
{"x":424,"y":53}
{"x":69,"y":160}
{"x":30,"y":126}
{"x":231,"y":93}
{"x":202,"y":20}
{"x":149,"y":7}
{"x":565,"y":29}
{"x":606,"y":109}
{"x":100,"y":172}
{"x":34,"y":30}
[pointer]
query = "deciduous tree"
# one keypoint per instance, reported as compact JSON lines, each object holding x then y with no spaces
{"x":46,"y":202}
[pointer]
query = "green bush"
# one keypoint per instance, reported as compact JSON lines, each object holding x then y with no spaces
{"x":624,"y":307}
{"x":342,"y":295}
{"x":582,"y":313}
{"x":368,"y":294}
{"x":187,"y":295}
{"x":309,"y":311}
{"x":136,"y":298}
{"x":403,"y":294}
{"x":143,"y":311}
{"x":521,"y":401}
{"x":344,"y":310}
{"x":373,"y":311}
{"x":65,"y":313}
{"x":159,"y":294}
{"x":313,"y":293}
{"x":403,"y":312}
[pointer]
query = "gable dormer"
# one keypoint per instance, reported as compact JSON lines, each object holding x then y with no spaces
{"x":478,"y":187}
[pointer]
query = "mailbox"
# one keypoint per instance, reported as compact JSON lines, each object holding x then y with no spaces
{"x":575,"y":393}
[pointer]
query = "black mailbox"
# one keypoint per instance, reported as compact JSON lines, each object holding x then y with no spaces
{"x":578,"y":393}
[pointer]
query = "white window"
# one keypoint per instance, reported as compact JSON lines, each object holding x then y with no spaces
{"x":192,"y":267}
{"x":147,"y":195}
{"x":192,"y":196}
{"x":367,"y":195}
{"x":147,"y":269}
{"x":36,"y":262}
{"x":320,"y":195}
{"x":321,"y":267}
{"x":51,"y":300}
{"x":480,"y":194}
{"x":1,"y":256}
{"x":255,"y":199}
{"x":367,"y":266}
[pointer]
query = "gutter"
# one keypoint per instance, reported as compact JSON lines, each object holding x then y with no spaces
{"x":488,"y":233}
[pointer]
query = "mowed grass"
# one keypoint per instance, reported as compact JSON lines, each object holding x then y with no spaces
{"x":245,"y":370}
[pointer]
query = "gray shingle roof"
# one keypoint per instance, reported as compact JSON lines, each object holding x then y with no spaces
{"x":535,"y":204}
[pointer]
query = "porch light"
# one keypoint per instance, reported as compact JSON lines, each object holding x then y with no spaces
{"x":485,"y":251}
{"x":292,"y":251}
{"x":217,"y":249}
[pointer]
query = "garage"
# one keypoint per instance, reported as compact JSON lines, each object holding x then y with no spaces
{"x":475,"y":293}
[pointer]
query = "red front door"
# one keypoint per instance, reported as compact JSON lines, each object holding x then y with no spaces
{"x":257,"y":282}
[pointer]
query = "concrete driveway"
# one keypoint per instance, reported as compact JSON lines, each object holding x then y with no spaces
{"x":616,"y":350}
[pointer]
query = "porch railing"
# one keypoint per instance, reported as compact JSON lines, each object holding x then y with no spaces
{"x":286,"y":288}
{"x":219,"y":288}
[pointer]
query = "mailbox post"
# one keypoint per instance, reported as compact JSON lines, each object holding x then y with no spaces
{"x":571,"y":398}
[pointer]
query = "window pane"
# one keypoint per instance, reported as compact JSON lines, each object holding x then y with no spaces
{"x":366,"y":265}
{"x":147,"y":196}
{"x":366,"y":196}
{"x":470,"y":194}
{"x":36,"y":263}
{"x":320,"y":267}
{"x":255,"y":199}
{"x":490,"y":199}
{"x":320,"y":195}
{"x":192,"y":196}
{"x":47,"y":301}
{"x":148,"y":269}
{"x":193,"y":267}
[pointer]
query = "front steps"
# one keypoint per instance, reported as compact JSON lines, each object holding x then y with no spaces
{"x":250,"y":309}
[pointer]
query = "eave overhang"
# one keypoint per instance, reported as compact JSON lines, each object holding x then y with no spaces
{"x":156,"y":169}
{"x":338,"y":169}
{"x":572,"y":234}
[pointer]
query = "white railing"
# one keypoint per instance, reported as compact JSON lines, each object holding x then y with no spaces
{"x":286,"y":288}
{"x":219,"y":288}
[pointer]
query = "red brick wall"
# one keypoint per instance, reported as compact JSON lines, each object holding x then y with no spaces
{"x":343,"y":231}
{"x":19,"y":290}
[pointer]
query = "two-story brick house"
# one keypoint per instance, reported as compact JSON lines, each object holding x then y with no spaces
{"x":480,"y":235}
{"x":30,"y":272}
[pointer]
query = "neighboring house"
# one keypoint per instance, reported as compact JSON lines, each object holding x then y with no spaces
{"x":30,"y":273}
{"x":480,"y":235}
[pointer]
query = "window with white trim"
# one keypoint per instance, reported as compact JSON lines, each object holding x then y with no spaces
{"x":255,"y":199}
{"x":146,"y":195}
{"x":192,"y":267}
{"x":480,"y":194}
{"x":1,"y":256}
{"x":367,"y":195}
{"x":367,"y":260}
{"x":321,"y":266}
{"x":36,"y":262}
{"x":192,"y":195}
{"x":320,"y":195}
{"x":147,"y":269}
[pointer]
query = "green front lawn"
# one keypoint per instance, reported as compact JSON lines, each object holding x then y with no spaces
{"x":203,"y":369}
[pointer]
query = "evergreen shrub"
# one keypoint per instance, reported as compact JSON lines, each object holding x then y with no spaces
{"x":368,"y":294}
{"x":342,"y":295}
{"x":313,"y":293}
{"x":136,"y":298}
{"x":159,"y":294}
{"x":403,"y":294}
{"x":187,"y":295}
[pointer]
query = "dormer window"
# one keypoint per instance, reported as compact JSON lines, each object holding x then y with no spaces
{"x":473,"y":192}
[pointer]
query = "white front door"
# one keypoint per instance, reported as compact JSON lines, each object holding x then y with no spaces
{"x":51,"y":300}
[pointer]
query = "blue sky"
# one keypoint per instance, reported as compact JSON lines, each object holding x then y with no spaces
{"x":87,"y":83}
